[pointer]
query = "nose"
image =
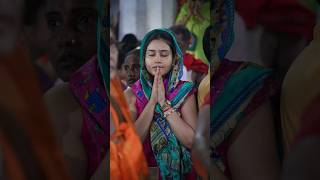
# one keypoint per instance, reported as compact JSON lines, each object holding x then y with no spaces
{"x":67,"y":37}
{"x":130,"y":72}
{"x":158,"y":59}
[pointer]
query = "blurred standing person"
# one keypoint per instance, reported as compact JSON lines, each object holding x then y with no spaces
{"x":287,"y":29}
{"x":195,"y":15}
{"x":28,"y":146}
{"x":237,"y":113}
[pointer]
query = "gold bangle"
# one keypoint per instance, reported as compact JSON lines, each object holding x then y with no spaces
{"x":169,"y":113}
{"x":166,"y":105}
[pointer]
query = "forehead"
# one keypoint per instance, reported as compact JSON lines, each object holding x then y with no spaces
{"x":132,"y":59}
{"x":69,"y":5}
{"x":158,"y":44}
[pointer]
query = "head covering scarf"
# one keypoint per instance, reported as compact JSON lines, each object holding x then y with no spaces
{"x":222,"y":29}
{"x":90,"y":86}
{"x":175,"y":74}
{"x":102,"y":40}
{"x":172,"y":157}
{"x":233,"y":85}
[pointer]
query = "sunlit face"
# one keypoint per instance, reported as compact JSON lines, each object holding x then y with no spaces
{"x":158,"y":54}
{"x":131,"y":67}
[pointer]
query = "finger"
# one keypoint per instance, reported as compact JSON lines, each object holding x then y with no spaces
{"x":159,"y":79}
{"x":155,"y":78}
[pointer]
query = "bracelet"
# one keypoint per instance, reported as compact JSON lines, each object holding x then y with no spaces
{"x":165,"y":106}
{"x":169,"y":113}
{"x":165,"y":110}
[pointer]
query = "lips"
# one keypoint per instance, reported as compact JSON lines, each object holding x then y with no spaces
{"x":155,"y":67}
{"x":68,"y":61}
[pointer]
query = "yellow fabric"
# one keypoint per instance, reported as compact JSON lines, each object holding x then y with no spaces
{"x":196,"y":27}
{"x":301,"y":85}
{"x":203,"y":90}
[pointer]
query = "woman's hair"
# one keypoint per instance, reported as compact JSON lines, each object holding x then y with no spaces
{"x":161,"y":36}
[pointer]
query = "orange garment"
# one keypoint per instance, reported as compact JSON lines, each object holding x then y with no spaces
{"x":127,"y":160}
{"x":20,"y":96}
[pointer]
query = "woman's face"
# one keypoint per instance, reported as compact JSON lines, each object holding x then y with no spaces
{"x":158,"y":54}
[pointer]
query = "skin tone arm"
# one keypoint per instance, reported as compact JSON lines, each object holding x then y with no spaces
{"x":143,"y":122}
{"x":72,"y":145}
{"x":252,"y":154}
{"x":184,"y":126}
{"x":66,"y":119}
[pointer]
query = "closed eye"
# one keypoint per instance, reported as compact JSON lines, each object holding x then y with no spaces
{"x":54,"y":21}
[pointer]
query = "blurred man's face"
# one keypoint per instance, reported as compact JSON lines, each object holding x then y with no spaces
{"x":72,"y":34}
{"x":11,"y":22}
{"x":132,"y":68}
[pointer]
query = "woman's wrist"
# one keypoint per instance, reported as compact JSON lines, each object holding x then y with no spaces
{"x":152,"y":103}
{"x":162,"y":103}
{"x":169,"y":112}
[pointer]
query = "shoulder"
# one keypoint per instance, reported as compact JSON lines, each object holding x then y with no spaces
{"x":129,"y":95}
{"x":60,"y":97}
{"x":188,"y":86}
{"x":57,"y":92}
{"x":128,"y":92}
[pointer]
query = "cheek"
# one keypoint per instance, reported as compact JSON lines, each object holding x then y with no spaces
{"x":53,"y":53}
{"x":168,"y":64}
{"x":148,"y":64}
{"x":88,"y":45}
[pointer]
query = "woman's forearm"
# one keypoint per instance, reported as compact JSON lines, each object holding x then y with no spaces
{"x":181,"y":129}
{"x":142,"y":124}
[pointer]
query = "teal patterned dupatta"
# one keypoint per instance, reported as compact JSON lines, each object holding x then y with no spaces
{"x":234,"y":85}
{"x":172,"y":157}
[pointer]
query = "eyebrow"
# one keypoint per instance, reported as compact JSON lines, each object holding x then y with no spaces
{"x":162,"y":50}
